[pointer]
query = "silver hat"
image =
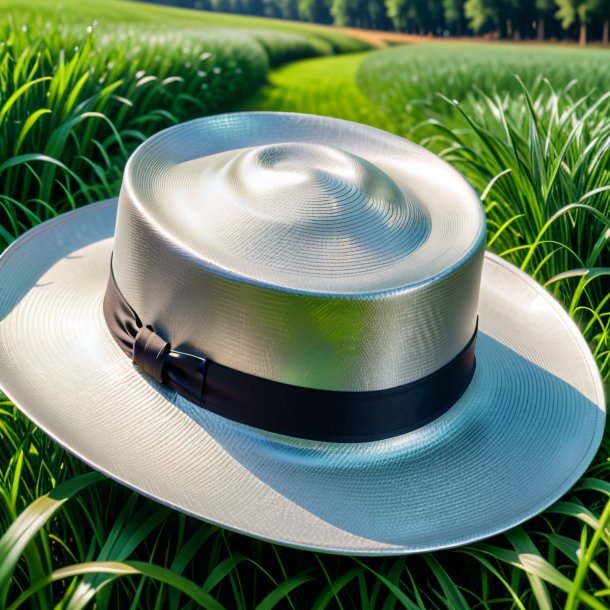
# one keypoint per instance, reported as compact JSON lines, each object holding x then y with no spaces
{"x":288,"y":325}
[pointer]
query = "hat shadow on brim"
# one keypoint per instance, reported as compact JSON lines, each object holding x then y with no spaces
{"x":503,"y":453}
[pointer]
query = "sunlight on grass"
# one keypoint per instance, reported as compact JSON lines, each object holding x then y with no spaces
{"x":326,"y":87}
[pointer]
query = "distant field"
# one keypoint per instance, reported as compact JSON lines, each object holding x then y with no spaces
{"x":105,"y":12}
{"x":530,"y":127}
{"x":404,"y":81}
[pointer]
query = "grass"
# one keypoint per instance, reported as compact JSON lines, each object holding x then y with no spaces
{"x":77,"y":97}
{"x":404,"y":81}
{"x":326,"y":86}
{"x":537,"y":152}
{"x":321,"y":40}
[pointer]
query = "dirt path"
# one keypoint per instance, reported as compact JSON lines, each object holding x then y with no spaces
{"x":379,"y":38}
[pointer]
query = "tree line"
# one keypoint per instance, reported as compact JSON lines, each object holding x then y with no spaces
{"x":582,"y":20}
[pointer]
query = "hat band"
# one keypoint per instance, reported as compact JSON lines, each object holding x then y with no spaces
{"x":326,"y":415}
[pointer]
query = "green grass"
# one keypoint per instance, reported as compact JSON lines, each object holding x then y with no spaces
{"x":77,"y":96}
{"x":538,"y":154}
{"x":320,"y":86}
{"x":321,"y":39}
{"x":405,"y":81}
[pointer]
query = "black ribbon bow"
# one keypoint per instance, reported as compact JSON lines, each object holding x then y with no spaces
{"x":312,"y":413}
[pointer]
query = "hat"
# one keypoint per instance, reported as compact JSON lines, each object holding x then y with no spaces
{"x":288,"y":325}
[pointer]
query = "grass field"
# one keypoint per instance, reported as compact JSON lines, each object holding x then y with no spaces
{"x":112,"y":12}
{"x":325,"y":87}
{"x":74,"y":103}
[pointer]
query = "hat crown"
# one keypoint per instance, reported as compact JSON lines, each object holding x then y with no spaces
{"x":301,"y":249}
{"x":303,"y":208}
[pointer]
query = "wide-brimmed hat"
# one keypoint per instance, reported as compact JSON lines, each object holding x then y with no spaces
{"x":288,"y":325}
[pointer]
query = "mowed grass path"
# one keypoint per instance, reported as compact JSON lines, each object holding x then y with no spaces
{"x":325,"y":86}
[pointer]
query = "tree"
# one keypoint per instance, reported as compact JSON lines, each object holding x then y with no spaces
{"x":256,"y":7}
{"x":506,"y":16}
{"x":288,"y":8}
{"x":316,"y":11}
{"x":510,"y":12}
{"x":412,"y":15}
{"x":270,"y":8}
{"x":602,"y":11}
{"x":396,"y":10}
{"x":350,"y":12}
{"x":453,"y":11}
{"x":224,"y":6}
{"x":434,"y":17}
{"x":480,"y":13}
{"x":543,"y":7}
{"x":377,"y":14}
{"x":571,"y":11}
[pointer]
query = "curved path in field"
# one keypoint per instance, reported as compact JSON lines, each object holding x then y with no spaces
{"x":324,"y":85}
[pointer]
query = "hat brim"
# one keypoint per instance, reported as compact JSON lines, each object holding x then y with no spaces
{"x":522,"y":434}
